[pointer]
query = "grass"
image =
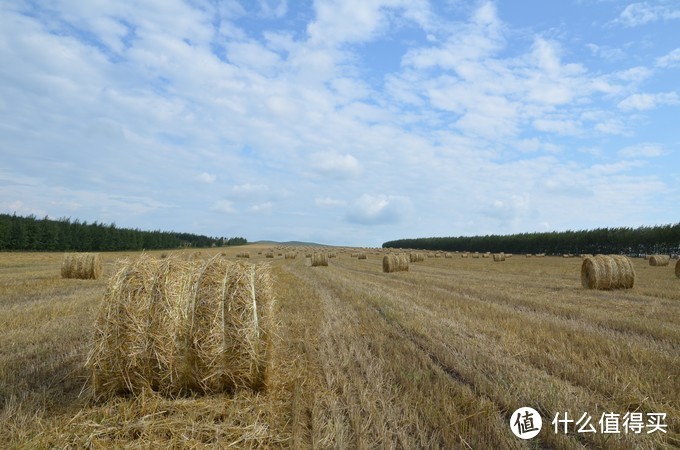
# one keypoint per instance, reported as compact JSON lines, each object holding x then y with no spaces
{"x":438,"y":357}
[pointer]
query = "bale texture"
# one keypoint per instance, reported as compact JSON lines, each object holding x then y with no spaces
{"x":84,"y":266}
{"x":362,"y":256}
{"x":177,"y":327}
{"x":659,"y":260}
{"x":291,"y":255}
{"x":499,"y":257}
{"x":395,"y":263}
{"x":607,"y":272}
{"x":319,"y":260}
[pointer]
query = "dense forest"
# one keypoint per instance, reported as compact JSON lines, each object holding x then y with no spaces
{"x":664,"y":239}
{"x":33,"y":234}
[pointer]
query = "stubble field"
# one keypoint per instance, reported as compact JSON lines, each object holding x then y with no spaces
{"x":437,"y":357}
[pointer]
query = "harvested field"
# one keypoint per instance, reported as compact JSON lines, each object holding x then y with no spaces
{"x":437,"y":357}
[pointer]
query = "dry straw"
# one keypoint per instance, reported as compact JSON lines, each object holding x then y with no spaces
{"x":177,"y":327}
{"x":85,"y":266}
{"x":395,"y":263}
{"x":243,"y":255}
{"x":269,"y":255}
{"x":659,"y":260}
{"x":291,"y":255}
{"x":499,"y":257}
{"x":607,"y":272}
{"x":319,"y":260}
{"x":362,"y":256}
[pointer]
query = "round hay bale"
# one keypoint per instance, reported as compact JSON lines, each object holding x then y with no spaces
{"x":269,"y":255}
{"x":497,"y":257}
{"x":291,"y":255}
{"x":395,"y":263}
{"x":659,"y":260}
{"x":362,"y":256}
{"x":448,"y":255}
{"x":177,"y":327}
{"x":416,"y":257}
{"x":84,"y":266}
{"x":677,"y":269}
{"x":319,"y":260}
{"x":607,"y":272}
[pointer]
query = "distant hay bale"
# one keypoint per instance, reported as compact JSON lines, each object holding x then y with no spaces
{"x":416,"y":257}
{"x":529,"y":255}
{"x":607,"y":272}
{"x":269,"y":255}
{"x":243,"y":255}
{"x":497,"y":257}
{"x":540,"y":255}
{"x":319,"y":260}
{"x":475,"y":255}
{"x":486,"y":255}
{"x":448,"y":255}
{"x":177,"y":327}
{"x":332,"y":255}
{"x":84,"y":266}
{"x":395,"y":263}
{"x":677,"y":269}
{"x":659,"y":260}
{"x":464,"y":255}
{"x":362,"y":256}
{"x":308,"y":255}
{"x":291,"y":255}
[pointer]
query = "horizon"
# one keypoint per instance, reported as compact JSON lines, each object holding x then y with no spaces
{"x":342,"y":125}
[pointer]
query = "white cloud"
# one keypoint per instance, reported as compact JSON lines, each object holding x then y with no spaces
{"x":206,"y":177}
{"x":642,"y":151}
{"x":378,"y":209}
{"x":671,"y":59}
{"x":335,"y":164}
{"x":329,"y":201}
{"x":262,"y":207}
{"x":224,"y":206}
{"x":638,"y":14}
{"x":643,"y":102}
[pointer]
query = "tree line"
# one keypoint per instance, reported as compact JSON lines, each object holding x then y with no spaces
{"x":662,"y":239}
{"x":32,"y":234}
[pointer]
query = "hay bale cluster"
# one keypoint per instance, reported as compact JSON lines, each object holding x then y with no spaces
{"x":395,"y":263}
{"x":177,"y":326}
{"x":607,"y":272}
{"x":84,"y":266}
{"x":659,"y":260}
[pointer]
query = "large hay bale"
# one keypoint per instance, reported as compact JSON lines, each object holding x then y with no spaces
{"x":395,"y":263}
{"x":176,"y":327}
{"x":84,"y":266}
{"x":319,"y":260}
{"x":607,"y":272}
{"x":659,"y":260}
{"x":499,"y":257}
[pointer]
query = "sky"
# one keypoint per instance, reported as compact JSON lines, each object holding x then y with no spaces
{"x":349,"y":122}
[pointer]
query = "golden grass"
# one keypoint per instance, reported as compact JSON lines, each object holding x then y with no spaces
{"x":438,"y":357}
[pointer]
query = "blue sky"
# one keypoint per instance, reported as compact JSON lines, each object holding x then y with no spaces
{"x":343,"y":122}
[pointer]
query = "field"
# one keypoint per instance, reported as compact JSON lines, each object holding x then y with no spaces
{"x":436,"y":357}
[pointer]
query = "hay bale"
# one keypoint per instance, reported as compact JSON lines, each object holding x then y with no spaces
{"x":362,"y":256}
{"x":319,"y":260}
{"x":84,"y":266}
{"x":464,"y":255}
{"x":529,"y":255}
{"x":416,"y":257}
{"x":607,"y":272}
{"x":291,"y":255}
{"x":659,"y":260}
{"x":243,"y":255}
{"x":269,"y":255}
{"x":677,"y":269}
{"x":497,"y":257}
{"x":476,"y":255}
{"x":395,"y":263}
{"x":177,"y":327}
{"x":448,"y":255}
